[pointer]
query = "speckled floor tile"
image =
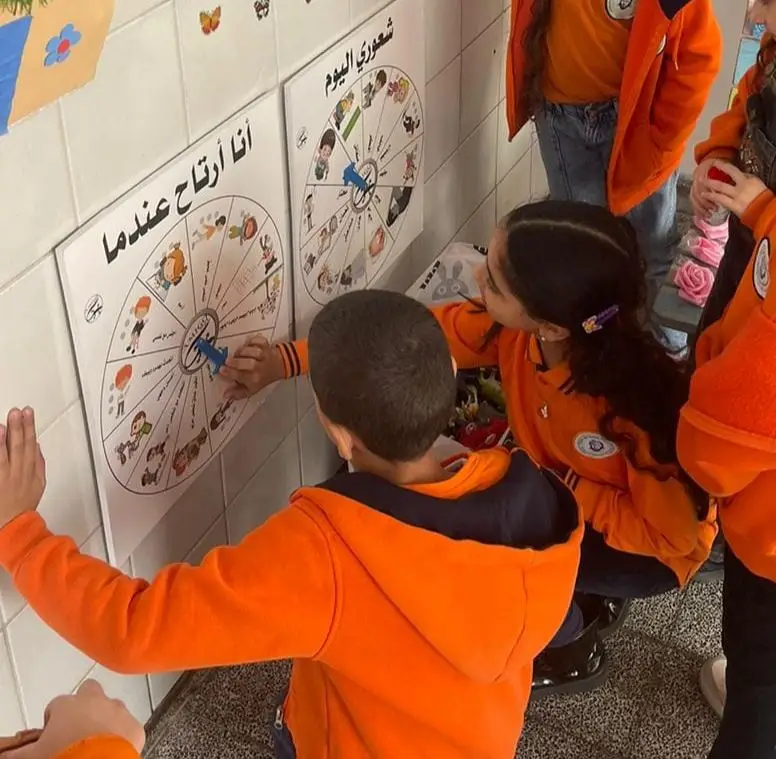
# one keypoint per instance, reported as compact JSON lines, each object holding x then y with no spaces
{"x":653,"y":616}
{"x":698,"y":626}
{"x":542,"y":742}
{"x":607,"y":716}
{"x":679,"y":723}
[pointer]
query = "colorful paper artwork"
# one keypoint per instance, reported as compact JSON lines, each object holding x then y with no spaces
{"x":48,"y":53}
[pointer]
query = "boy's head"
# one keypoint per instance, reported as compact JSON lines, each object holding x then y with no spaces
{"x":382,"y":374}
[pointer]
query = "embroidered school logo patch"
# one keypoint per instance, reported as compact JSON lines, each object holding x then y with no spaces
{"x":761,"y":271}
{"x":621,"y":10}
{"x":594,"y":446}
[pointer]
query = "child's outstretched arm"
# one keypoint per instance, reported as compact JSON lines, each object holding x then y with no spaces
{"x":685,"y":82}
{"x":258,"y":364}
{"x":270,"y":597}
{"x":727,"y":428}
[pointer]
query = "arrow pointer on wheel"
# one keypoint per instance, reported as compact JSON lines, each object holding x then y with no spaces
{"x":351,"y":176}
{"x":212,"y":354}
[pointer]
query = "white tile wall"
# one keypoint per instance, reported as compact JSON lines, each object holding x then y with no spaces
{"x":160,"y":84}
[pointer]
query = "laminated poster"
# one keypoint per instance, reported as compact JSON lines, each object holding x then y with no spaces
{"x":160,"y":288}
{"x":47,"y":49}
{"x":356,"y":124}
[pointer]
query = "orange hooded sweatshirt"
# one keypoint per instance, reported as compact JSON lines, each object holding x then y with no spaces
{"x":100,"y":747}
{"x":636,"y":511}
{"x":673,"y":57}
{"x":727,"y":430}
{"x":413,"y":615}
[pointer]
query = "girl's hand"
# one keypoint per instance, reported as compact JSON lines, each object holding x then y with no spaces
{"x":737,"y":195}
{"x":22,"y":467}
{"x":701,"y":207}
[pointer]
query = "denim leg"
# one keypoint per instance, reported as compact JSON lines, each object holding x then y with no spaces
{"x":655,"y":222}
{"x":575,"y":143}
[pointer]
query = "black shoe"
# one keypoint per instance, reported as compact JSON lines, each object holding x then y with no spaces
{"x":577,"y":667}
{"x":614,"y":612}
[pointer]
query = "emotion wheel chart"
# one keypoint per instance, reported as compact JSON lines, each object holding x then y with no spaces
{"x":214,"y":280}
{"x":364,"y":168}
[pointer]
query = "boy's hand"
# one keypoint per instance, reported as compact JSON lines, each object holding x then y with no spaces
{"x":87,"y":714}
{"x":701,"y":206}
{"x":22,"y":466}
{"x":253,"y":367}
{"x":736,"y":195}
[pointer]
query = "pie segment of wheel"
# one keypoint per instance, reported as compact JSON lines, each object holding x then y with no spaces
{"x":214,"y":280}
{"x":360,"y":183}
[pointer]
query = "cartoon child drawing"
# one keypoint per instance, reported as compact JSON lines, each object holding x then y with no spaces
{"x":399,"y":89}
{"x":188,"y":454}
{"x":410,"y":168}
{"x":140,"y":312}
{"x":121,"y":384}
{"x":308,"y":212}
{"x":310,"y":262}
{"x":221,"y":415}
{"x":343,"y":108}
{"x":272,"y":298}
{"x":410,"y":124}
{"x":325,"y":149}
{"x":377,"y":243}
{"x":373,"y":88}
{"x":157,"y":453}
{"x":400,"y":199}
{"x":325,"y":280}
{"x":268,"y":252}
{"x":247,"y":231}
{"x":139,"y":428}
{"x":207,"y":230}
{"x":171,"y":270}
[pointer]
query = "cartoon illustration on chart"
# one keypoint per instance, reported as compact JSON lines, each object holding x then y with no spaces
{"x":360,"y":183}
{"x":163,"y":407}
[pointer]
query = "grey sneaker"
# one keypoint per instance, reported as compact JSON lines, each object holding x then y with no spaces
{"x":712,"y":680}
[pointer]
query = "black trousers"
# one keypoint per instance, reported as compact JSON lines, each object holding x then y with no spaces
{"x":748,"y":729}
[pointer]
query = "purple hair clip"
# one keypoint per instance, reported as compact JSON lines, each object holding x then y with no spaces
{"x":595,"y":323}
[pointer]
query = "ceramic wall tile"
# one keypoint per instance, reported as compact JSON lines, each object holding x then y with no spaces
{"x":509,"y":153}
{"x":267,"y":492}
{"x":515,"y":189}
{"x":129,"y":10}
{"x":306,"y":29}
{"x":539,"y":187}
{"x":35,"y":192}
{"x":481,"y":66}
{"x":360,"y":10}
{"x":477,"y":171}
{"x":228,"y":57}
{"x":443,"y":109}
{"x":443,"y":34}
{"x":131,"y":118}
{"x":480,"y":225}
{"x":11,"y":717}
{"x":477,"y":16}
{"x":35,"y":342}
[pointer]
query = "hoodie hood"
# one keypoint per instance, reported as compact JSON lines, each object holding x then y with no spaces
{"x":468,"y":561}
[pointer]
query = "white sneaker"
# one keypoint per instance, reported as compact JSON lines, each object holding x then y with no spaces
{"x":712,"y":680}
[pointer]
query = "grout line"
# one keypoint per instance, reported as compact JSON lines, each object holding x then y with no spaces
{"x":19,"y":692}
{"x":69,"y":162}
{"x":184,"y":95}
{"x":139,"y":17}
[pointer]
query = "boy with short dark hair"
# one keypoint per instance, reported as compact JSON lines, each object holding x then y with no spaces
{"x":413,"y":597}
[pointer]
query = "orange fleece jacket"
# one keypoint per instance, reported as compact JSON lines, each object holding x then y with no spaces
{"x":406,"y":643}
{"x":100,"y":747}
{"x":674,"y":55}
{"x":634,"y":510}
{"x":727,"y":430}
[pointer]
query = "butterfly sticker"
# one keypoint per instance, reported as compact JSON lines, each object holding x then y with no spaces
{"x":210,"y":21}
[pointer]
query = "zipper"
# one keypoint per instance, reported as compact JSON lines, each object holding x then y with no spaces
{"x":279,"y":718}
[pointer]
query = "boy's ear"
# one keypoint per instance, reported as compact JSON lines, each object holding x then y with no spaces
{"x":342,"y":438}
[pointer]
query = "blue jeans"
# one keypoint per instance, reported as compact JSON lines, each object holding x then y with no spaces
{"x":576,"y":144}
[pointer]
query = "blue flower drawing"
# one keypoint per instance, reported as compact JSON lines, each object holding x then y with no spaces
{"x":58,"y":48}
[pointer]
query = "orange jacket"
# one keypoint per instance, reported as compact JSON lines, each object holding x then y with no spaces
{"x":635,"y":511}
{"x":407,"y":641}
{"x":727,"y":430}
{"x":727,"y":129}
{"x":673,"y":58}
{"x":100,"y":747}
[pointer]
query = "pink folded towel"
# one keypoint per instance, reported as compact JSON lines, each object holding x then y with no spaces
{"x":694,"y":282}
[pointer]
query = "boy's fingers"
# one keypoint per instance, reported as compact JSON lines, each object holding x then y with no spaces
{"x":722,"y":188}
{"x":40,"y":464}
{"x":90,"y":688}
{"x":15,"y":438}
{"x":722,"y":200}
{"x":236,"y":392}
{"x":251,"y":351}
{"x":241,"y":364}
{"x":259,"y":341}
{"x":30,"y":442}
{"x":3,"y":445}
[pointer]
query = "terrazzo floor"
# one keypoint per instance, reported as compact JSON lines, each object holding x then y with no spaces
{"x":650,"y":708}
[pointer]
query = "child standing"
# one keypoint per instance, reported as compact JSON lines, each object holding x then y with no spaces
{"x":727,"y":431}
{"x":413,"y":597}
{"x":589,"y":394}
{"x":615,"y":88}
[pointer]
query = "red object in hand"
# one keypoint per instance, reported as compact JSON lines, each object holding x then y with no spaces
{"x":718,"y":175}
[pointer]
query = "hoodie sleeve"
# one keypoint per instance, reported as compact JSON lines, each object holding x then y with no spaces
{"x":727,"y":129}
{"x":727,"y":428}
{"x":685,"y":82}
{"x":270,"y":597}
{"x":466,"y":330}
{"x":99,"y":747}
{"x":651,"y":517}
